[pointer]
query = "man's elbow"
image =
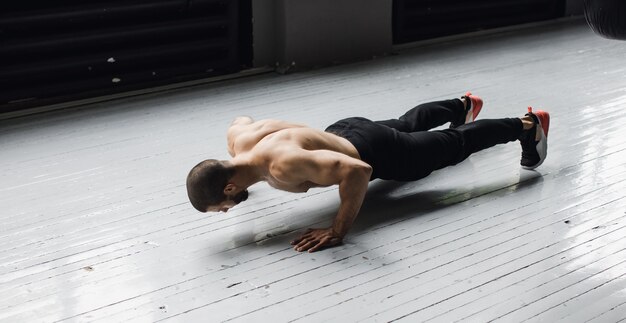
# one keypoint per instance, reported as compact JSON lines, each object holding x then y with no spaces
{"x":363,"y":171}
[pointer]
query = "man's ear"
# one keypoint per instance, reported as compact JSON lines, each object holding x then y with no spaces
{"x":230,"y":188}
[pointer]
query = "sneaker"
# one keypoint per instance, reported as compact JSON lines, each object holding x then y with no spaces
{"x":472,"y":111}
{"x":534,"y":151}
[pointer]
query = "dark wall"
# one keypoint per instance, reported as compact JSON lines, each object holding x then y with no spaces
{"x":307,"y":33}
{"x":66,"y":50}
{"x":291,"y":35}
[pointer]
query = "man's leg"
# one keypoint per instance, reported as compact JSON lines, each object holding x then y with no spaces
{"x":433,"y":114}
{"x":425,"y":151}
{"x":487,"y":133}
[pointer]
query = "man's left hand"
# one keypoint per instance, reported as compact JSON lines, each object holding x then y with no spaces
{"x":314,"y":239}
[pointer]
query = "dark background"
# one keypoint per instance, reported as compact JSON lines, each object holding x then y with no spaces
{"x":64,"y":50}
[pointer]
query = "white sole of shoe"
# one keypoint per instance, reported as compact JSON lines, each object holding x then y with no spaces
{"x":542,"y":149}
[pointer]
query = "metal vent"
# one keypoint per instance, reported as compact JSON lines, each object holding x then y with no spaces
{"x":54,"y":51}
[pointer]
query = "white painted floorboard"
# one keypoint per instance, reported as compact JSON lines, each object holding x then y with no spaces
{"x":96,"y":226}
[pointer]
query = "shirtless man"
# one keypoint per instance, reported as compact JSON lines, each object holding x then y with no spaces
{"x":350,"y":153}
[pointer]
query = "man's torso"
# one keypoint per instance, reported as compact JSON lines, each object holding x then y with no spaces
{"x":264,"y":141}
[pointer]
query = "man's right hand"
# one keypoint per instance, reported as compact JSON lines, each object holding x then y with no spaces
{"x":315,"y":239}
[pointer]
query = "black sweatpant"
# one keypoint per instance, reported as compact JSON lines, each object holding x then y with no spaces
{"x":404,"y":150}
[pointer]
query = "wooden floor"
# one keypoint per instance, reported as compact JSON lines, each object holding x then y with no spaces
{"x":96,"y":225}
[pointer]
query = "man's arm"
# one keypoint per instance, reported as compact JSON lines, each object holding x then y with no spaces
{"x":325,"y":168}
{"x":234,"y":130}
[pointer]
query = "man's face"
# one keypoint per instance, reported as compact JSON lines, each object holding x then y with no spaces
{"x":229,"y":202}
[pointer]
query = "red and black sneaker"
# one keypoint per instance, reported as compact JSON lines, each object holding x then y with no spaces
{"x":535,"y":150}
{"x":471,"y":110}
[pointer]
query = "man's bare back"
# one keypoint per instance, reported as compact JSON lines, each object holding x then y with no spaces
{"x":271,"y":142}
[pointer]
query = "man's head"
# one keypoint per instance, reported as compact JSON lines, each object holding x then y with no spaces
{"x":210,"y":187}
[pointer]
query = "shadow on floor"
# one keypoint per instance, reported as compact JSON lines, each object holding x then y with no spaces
{"x":389,"y":202}
{"x":380,"y":207}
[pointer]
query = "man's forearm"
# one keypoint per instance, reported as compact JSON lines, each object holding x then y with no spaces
{"x":351,"y":192}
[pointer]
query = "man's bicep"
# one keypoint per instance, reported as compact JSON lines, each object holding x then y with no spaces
{"x":239,"y":132}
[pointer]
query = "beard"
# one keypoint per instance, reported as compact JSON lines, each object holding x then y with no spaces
{"x":240,"y":197}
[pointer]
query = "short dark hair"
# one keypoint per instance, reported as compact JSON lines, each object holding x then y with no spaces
{"x":206,"y":182}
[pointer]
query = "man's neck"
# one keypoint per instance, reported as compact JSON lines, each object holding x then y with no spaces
{"x":246,"y":172}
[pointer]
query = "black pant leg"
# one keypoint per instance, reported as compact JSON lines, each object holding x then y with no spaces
{"x":423,"y":152}
{"x":428,"y":116}
{"x":482,"y":134}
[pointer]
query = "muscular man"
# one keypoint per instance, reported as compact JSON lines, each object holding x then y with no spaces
{"x":351,"y":152}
